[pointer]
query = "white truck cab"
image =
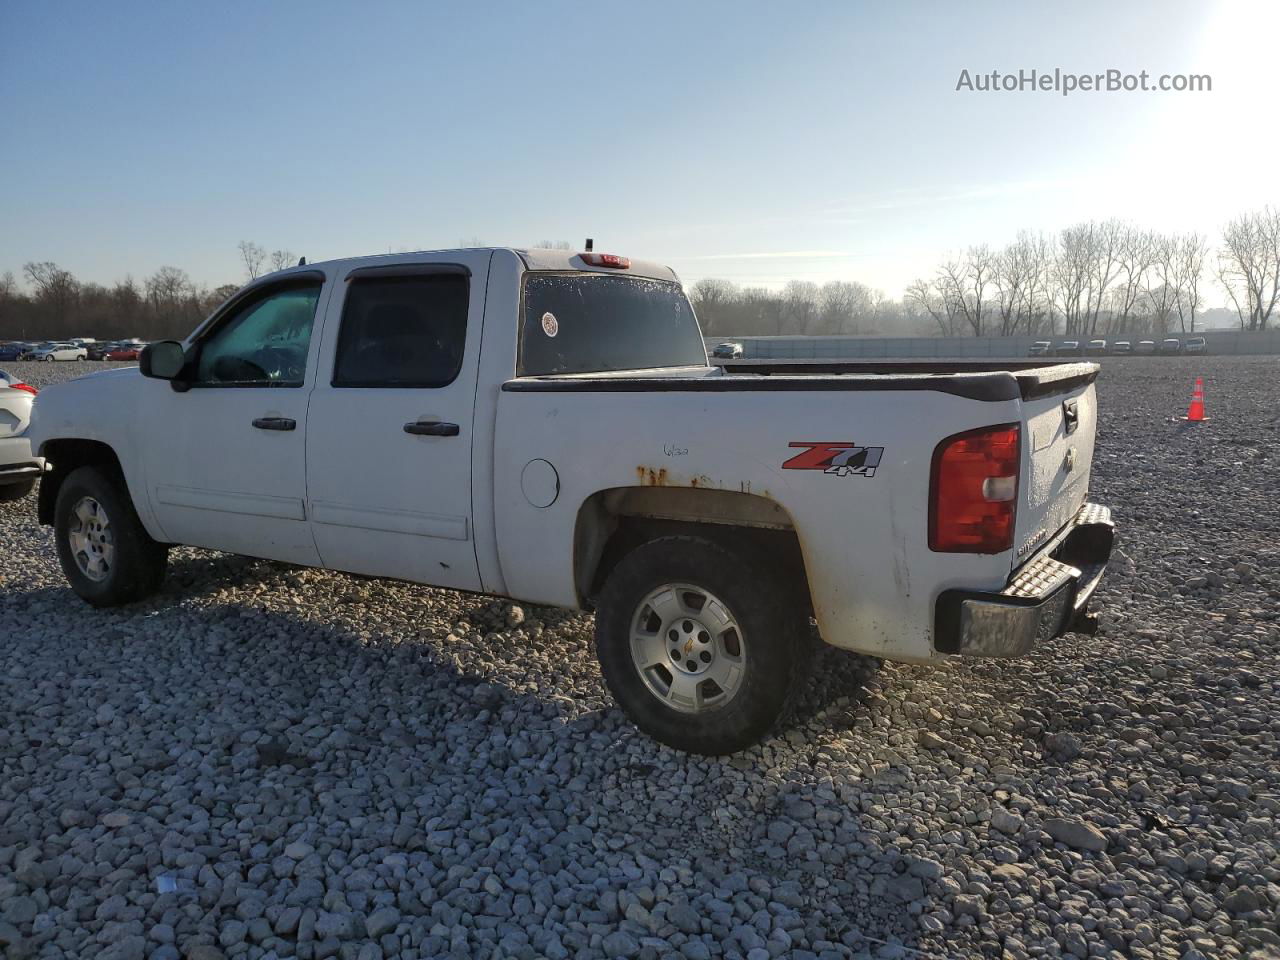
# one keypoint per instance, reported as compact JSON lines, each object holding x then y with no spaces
{"x":544,"y":425}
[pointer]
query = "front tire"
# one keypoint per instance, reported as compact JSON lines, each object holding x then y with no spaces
{"x":16,"y":491}
{"x":107,"y":555}
{"x":701,"y":646}
{"x":49,"y":358}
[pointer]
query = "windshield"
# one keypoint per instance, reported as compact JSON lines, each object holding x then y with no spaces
{"x":593,"y":323}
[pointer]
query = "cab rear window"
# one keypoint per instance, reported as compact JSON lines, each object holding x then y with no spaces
{"x":592,"y":323}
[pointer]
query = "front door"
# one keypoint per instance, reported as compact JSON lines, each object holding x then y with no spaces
{"x":225,"y":459}
{"x":390,"y":424}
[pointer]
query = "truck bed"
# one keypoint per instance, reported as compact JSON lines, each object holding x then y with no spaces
{"x":1034,"y":377}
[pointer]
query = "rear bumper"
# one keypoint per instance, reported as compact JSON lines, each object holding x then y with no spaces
{"x":1047,"y":596}
{"x":16,"y":462}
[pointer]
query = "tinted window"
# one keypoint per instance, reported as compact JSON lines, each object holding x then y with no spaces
{"x":405,"y":331}
{"x":265,"y":341}
{"x":587,"y":323}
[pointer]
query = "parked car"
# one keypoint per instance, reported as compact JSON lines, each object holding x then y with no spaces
{"x":1121,"y":348}
{"x":1170,"y":346}
{"x":1068,"y":348}
{"x":728,"y":350}
{"x":1096,"y":348}
{"x":1195,"y":345}
{"x":15,"y":350}
{"x":1145,"y":347}
{"x":19,"y":470}
{"x":521,"y":445}
{"x":58,"y":351}
{"x":99,"y":349}
{"x":124,"y":351}
{"x":1040,"y":348}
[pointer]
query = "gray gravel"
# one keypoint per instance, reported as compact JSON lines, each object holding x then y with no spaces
{"x":275,"y":762}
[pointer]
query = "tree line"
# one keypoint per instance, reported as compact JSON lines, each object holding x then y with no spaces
{"x":1091,"y":279}
{"x":49,"y":303}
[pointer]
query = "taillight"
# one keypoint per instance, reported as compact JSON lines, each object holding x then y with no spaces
{"x":605,"y":260}
{"x":25,"y":386}
{"x":973,"y":493}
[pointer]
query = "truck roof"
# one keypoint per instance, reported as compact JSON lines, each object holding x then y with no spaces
{"x":536,"y":258}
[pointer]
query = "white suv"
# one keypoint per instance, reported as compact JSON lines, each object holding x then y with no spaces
{"x":18,"y":468}
{"x":59,"y":351}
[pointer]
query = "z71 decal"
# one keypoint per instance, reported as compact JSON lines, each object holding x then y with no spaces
{"x":840,"y":458}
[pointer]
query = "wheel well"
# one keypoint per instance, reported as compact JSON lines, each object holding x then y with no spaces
{"x":64,"y":456}
{"x":612,"y":523}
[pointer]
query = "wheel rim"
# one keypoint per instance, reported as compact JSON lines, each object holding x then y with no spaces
{"x":90,"y":539}
{"x":688,"y":648}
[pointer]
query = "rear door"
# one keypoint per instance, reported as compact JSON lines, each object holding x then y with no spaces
{"x":390,"y":428}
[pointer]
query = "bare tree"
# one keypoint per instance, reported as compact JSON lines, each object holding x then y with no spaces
{"x":56,"y":291}
{"x":1249,"y":266}
{"x":281,"y":259}
{"x":799,"y":306}
{"x":1159,"y":290}
{"x":1138,"y":250}
{"x":1071,"y":271}
{"x":173,"y":298}
{"x":553,"y":245}
{"x":967,"y":281}
{"x":711,"y":299}
{"x":1019,"y":267}
{"x":931,"y":297}
{"x":842,"y":306}
{"x":253,"y":257}
{"x":1189,"y":254}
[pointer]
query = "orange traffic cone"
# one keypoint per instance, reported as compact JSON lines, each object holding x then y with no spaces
{"x":1195,"y":412}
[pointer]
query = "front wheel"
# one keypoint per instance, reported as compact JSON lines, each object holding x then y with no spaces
{"x":700,"y":645}
{"x":48,"y":358}
{"x":105,"y":552}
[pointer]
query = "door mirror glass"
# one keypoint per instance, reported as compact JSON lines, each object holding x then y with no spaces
{"x":162,"y":360}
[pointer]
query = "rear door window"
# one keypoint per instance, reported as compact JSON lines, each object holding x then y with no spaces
{"x":402,"y":331}
{"x":593,"y":323}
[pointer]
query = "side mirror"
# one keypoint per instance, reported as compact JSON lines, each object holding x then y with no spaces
{"x":162,"y":360}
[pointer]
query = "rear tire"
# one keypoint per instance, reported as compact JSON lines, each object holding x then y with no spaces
{"x":678,"y":612}
{"x":107,"y":555}
{"x":16,"y":491}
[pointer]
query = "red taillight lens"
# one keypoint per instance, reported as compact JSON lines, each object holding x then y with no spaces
{"x":973,"y":495}
{"x":605,"y":260}
{"x":25,"y":386}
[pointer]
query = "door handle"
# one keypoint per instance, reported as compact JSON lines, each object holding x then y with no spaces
{"x":434,"y":429}
{"x":275,"y":423}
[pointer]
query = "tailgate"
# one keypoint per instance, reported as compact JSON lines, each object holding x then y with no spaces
{"x":1060,"y":425}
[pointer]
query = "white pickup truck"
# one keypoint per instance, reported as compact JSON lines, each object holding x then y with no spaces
{"x":545,"y":426}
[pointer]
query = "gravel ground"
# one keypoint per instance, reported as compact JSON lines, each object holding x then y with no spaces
{"x":271,"y":762}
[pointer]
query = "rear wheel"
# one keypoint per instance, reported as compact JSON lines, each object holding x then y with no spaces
{"x":105,"y":552}
{"x":700,"y":646}
{"x":16,"y":491}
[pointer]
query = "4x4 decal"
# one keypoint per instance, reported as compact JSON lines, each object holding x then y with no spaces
{"x":844,"y":459}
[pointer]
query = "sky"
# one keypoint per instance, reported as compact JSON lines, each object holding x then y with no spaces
{"x":755,"y":141}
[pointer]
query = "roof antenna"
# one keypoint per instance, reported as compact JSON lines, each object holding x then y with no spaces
{"x":302,"y":261}
{"x":590,"y":243}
